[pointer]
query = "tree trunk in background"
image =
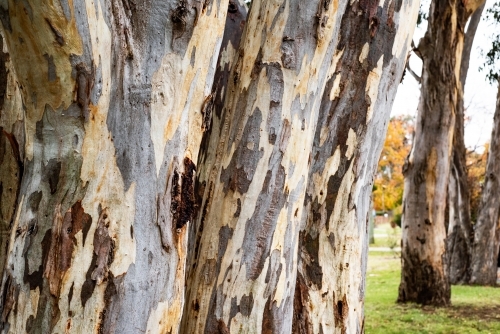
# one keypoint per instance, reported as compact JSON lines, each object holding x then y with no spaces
{"x":112,"y":95}
{"x":424,"y":266}
{"x":353,"y":119}
{"x":458,"y":241}
{"x":487,"y":227}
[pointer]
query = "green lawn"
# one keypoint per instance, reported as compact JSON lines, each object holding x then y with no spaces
{"x":474,"y":310}
{"x":386,"y":236}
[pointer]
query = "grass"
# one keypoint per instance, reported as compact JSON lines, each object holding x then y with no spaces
{"x":475,"y":309}
{"x":386,"y":236}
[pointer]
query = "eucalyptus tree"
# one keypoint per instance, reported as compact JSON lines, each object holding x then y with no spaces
{"x":460,"y":235}
{"x":160,"y":176}
{"x":424,"y":275}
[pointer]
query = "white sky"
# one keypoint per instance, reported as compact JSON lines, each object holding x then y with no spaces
{"x":480,"y":96}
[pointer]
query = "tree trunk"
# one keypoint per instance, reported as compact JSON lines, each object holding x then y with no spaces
{"x":458,"y":241}
{"x":424,"y":266}
{"x":353,"y":118}
{"x":112,"y":94}
{"x":244,"y":271}
{"x":11,"y":149}
{"x":245,"y":262}
{"x":104,"y":108}
{"x":487,"y":228}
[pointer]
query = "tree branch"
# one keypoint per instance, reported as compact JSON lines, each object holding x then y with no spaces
{"x":468,"y":41}
{"x":415,"y":50}
{"x":413,"y":74}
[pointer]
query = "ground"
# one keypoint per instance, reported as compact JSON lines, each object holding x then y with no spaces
{"x":475,"y":309}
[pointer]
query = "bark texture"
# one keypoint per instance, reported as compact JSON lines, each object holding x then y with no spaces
{"x":112,"y":96}
{"x":459,"y":238}
{"x":11,"y":157}
{"x":487,"y":228}
{"x":424,"y":265}
{"x":244,"y":273}
{"x":249,"y":230}
{"x":353,"y":117}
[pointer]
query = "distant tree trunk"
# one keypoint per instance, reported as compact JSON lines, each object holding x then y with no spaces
{"x":112,"y":93}
{"x":353,"y":118}
{"x":424,"y":266}
{"x":487,"y":228}
{"x":459,"y":236}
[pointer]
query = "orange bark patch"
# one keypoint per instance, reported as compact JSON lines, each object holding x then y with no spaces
{"x":63,"y":241}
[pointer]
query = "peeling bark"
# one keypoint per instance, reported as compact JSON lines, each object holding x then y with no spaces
{"x":353,"y":118}
{"x":11,"y":170}
{"x":111,"y":95}
{"x":107,"y":108}
{"x":252,"y":204}
{"x":486,"y":244}
{"x":424,"y":276}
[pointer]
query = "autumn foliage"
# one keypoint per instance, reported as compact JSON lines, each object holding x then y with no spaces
{"x":389,"y":180}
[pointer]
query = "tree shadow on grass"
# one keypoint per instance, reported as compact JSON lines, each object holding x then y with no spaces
{"x":472,"y":312}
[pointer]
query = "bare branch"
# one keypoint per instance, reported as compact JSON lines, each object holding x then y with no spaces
{"x":415,"y":50}
{"x":413,"y":74}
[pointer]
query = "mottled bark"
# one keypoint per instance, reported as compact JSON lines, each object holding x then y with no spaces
{"x":113,"y":93}
{"x":11,"y":152}
{"x":459,"y":232}
{"x":244,"y":273}
{"x":424,"y":265}
{"x":244,"y":268}
{"x":487,"y":228}
{"x":353,"y":117}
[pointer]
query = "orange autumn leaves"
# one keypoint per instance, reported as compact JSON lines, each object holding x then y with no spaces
{"x":389,"y":180}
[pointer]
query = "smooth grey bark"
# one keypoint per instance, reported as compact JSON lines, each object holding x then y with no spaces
{"x":485,"y":248}
{"x":424,"y":271}
{"x":459,"y":231}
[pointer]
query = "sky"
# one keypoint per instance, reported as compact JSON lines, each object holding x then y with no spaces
{"x":479,"y":94}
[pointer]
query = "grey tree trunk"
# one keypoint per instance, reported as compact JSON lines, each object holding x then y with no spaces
{"x":487,"y":228}
{"x":353,"y":118}
{"x":112,"y":94}
{"x":424,"y":265}
{"x":459,"y":238}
